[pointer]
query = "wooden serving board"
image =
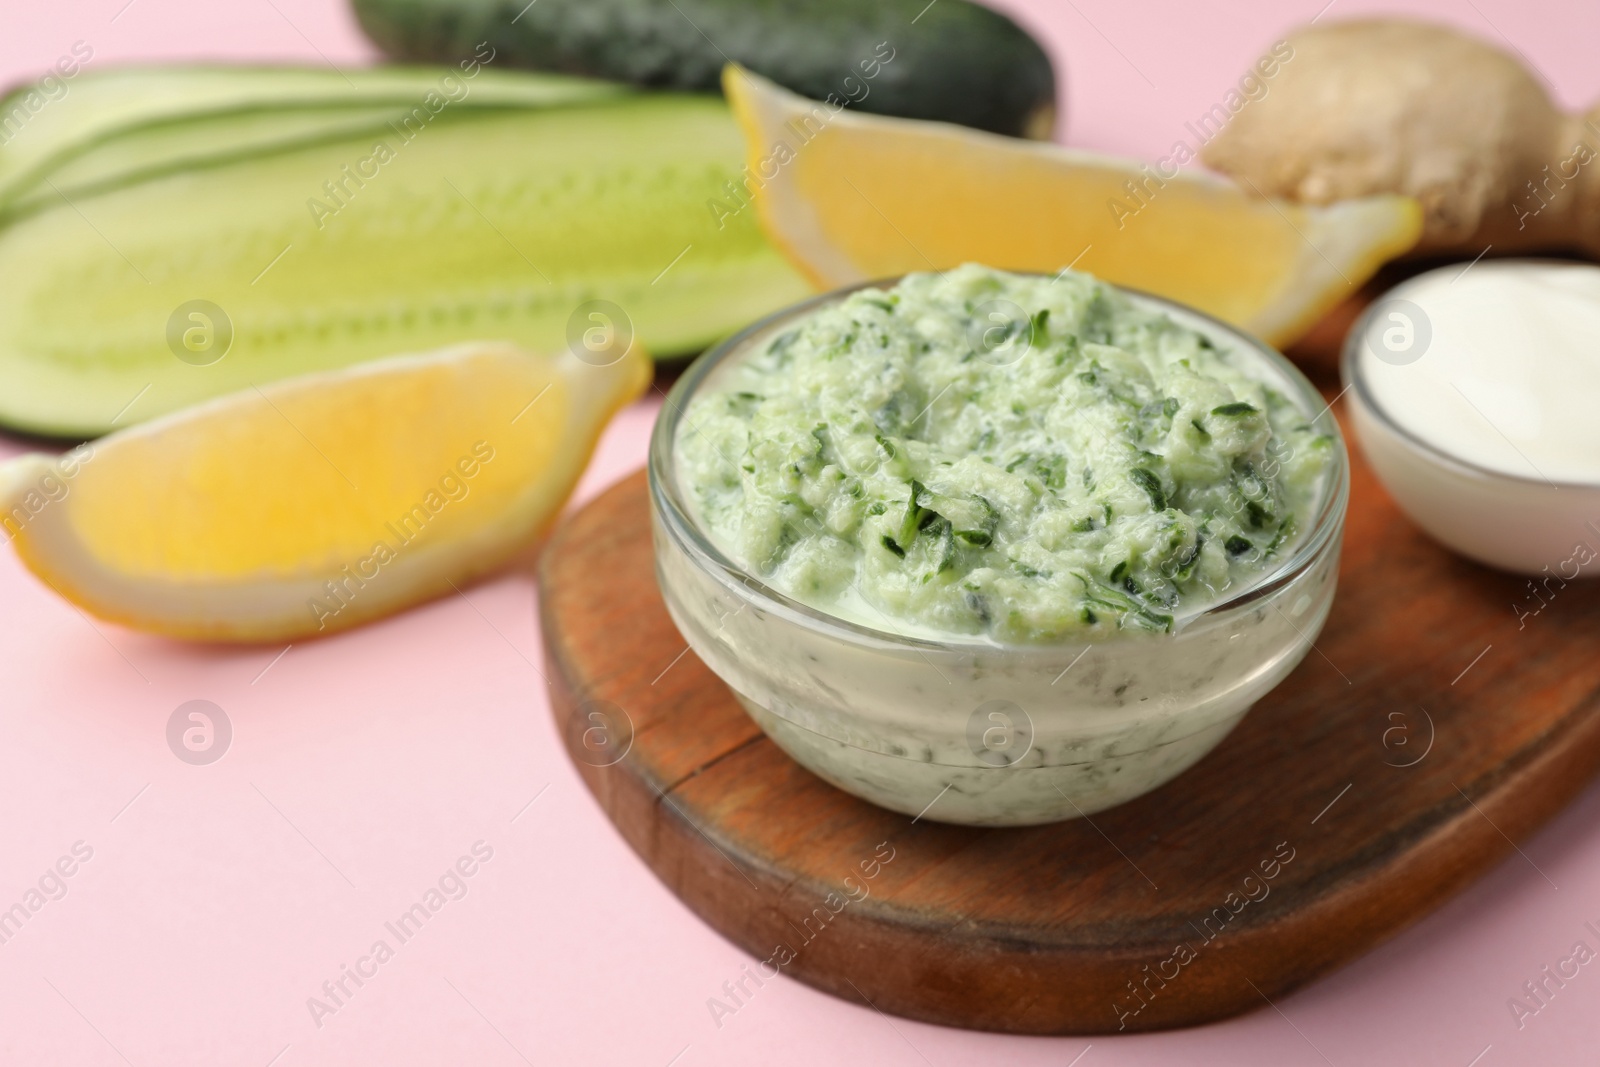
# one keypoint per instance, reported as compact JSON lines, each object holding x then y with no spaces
{"x":1426,"y":733}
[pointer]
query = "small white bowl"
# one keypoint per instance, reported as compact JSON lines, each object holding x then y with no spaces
{"x":1527,"y":525}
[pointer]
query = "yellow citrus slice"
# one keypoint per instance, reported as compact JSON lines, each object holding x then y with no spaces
{"x":317,"y":502}
{"x":851,"y":197}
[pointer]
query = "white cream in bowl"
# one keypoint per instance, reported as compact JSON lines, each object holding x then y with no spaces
{"x":1475,"y":394}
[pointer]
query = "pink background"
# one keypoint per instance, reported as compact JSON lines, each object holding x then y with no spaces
{"x":220,"y":897}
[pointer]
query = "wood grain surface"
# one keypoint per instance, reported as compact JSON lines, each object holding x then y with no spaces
{"x":1427,"y":731}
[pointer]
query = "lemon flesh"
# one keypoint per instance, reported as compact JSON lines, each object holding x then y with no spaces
{"x":317,"y":502}
{"x":851,"y":197}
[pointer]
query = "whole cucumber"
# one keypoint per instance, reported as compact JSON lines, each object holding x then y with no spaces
{"x":949,"y":60}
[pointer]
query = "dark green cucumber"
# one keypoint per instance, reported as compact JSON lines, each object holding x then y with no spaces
{"x":482,"y":224}
{"x":951,"y":60}
{"x":121,"y":125}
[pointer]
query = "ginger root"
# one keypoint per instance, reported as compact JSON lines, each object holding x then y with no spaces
{"x":1392,"y":106}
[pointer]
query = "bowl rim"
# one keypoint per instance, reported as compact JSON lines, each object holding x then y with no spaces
{"x":679,"y":523}
{"x":1355,"y":381}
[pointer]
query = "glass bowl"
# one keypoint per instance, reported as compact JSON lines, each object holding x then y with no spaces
{"x":968,"y":730}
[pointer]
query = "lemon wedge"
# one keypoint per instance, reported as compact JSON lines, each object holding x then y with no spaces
{"x":851,"y":197}
{"x":317,"y":502}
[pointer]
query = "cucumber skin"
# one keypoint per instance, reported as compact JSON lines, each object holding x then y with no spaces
{"x":959,"y":62}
